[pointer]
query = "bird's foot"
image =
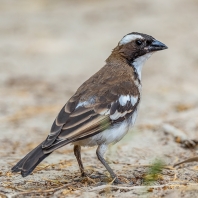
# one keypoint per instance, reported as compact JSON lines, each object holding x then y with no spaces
{"x":117,"y":181}
{"x":102,"y":177}
{"x":96,"y":176}
{"x":83,"y":174}
{"x":99,"y":176}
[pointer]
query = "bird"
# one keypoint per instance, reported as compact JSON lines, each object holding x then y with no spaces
{"x":103,"y":108}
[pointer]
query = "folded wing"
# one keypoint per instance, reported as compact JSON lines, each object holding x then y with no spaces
{"x":81,"y":119}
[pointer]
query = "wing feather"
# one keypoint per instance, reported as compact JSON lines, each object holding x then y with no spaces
{"x":83,"y":117}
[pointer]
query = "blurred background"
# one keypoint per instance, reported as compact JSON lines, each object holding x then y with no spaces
{"x":48,"y":48}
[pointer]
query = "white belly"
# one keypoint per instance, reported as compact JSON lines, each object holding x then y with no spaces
{"x":111,"y":135}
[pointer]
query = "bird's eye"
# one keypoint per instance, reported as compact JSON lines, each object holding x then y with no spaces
{"x":138,"y":42}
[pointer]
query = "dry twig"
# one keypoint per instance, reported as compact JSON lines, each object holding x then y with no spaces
{"x":42,"y":191}
{"x":193,"y":159}
{"x":137,"y":187}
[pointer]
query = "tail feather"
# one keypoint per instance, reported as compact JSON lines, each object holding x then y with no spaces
{"x":30,"y":161}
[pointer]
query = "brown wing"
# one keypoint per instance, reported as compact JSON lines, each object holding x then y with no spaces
{"x":60,"y":120}
{"x":83,"y":121}
{"x":83,"y":118}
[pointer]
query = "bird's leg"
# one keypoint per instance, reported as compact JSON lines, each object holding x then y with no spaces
{"x":77,"y":153}
{"x":100,"y":153}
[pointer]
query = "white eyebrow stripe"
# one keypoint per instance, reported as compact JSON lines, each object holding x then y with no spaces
{"x":128,"y":38}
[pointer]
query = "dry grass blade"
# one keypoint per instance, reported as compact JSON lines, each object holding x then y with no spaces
{"x":42,"y":191}
{"x":2,"y":195}
{"x":193,"y":159}
{"x":138,"y":187}
{"x":43,"y":168}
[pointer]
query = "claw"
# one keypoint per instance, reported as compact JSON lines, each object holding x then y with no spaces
{"x":117,"y":181}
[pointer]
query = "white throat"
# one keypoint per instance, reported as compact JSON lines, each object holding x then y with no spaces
{"x":139,"y":62}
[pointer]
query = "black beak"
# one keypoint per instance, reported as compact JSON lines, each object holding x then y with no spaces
{"x":156,"y":46}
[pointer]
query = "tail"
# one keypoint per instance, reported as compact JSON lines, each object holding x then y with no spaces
{"x":30,"y":161}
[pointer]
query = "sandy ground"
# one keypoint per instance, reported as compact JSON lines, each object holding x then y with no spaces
{"x":48,"y":48}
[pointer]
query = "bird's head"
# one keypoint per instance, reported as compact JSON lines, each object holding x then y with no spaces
{"x":135,"y":48}
{"x":135,"y":45}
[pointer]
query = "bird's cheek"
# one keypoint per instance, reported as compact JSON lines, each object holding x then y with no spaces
{"x":127,"y":53}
